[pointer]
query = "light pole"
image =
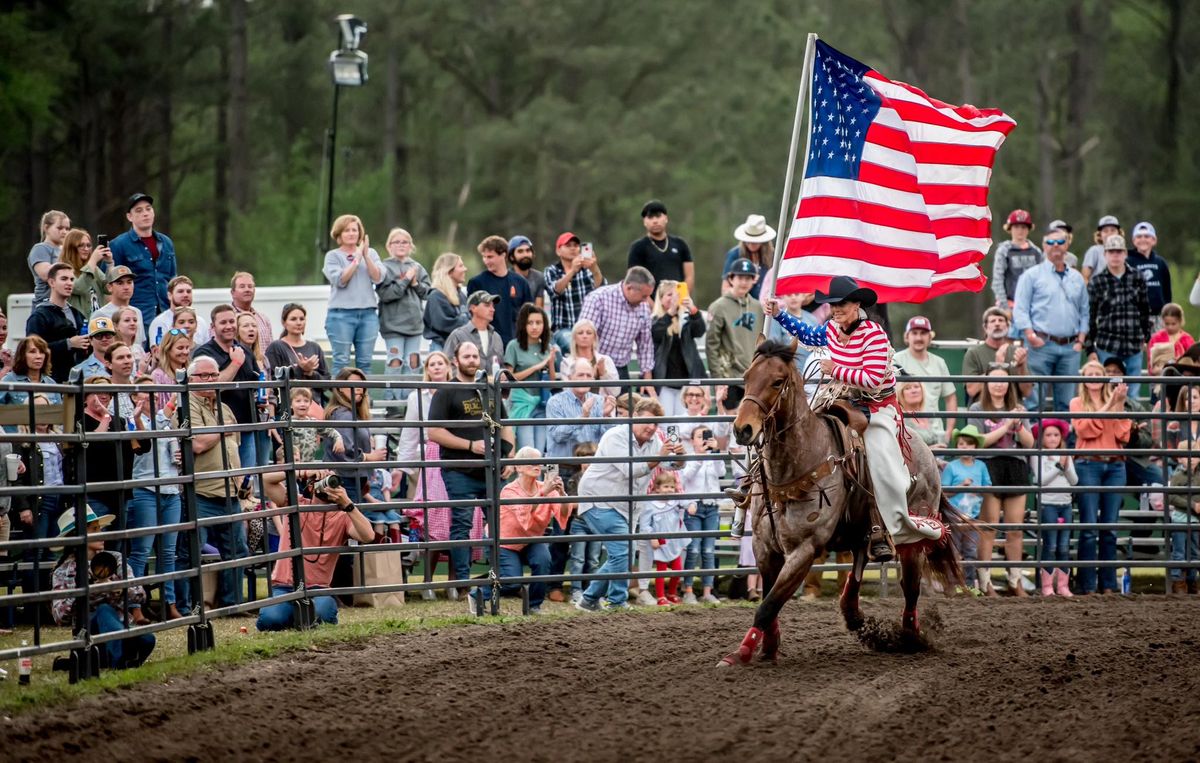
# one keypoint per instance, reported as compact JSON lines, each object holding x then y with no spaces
{"x":347,"y":68}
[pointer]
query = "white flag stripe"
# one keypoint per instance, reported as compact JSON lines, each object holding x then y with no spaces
{"x":856,"y":190}
{"x":890,"y":158}
{"x":841,"y":188}
{"x":816,"y":265}
{"x":880,"y":235}
{"x":958,"y":244}
{"x":922,"y":132}
{"x":953,"y":174}
{"x":894,"y":91}
{"x":965,"y":272}
{"x":950,"y":211}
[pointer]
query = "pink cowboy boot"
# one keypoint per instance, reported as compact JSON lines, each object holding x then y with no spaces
{"x":1062,"y":585}
{"x":1048,"y":580}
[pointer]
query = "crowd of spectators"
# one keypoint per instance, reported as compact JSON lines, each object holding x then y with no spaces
{"x":112,"y":314}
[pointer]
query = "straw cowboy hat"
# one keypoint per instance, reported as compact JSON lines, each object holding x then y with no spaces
{"x":66,"y":522}
{"x":754,"y":231}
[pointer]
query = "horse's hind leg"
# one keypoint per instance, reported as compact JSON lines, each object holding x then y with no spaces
{"x":849,"y":601}
{"x":910,"y":582}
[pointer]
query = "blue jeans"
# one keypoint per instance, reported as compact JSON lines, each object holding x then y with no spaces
{"x":399,"y":350}
{"x":601,"y":521}
{"x":1055,"y":360}
{"x":584,"y":555}
{"x":707,"y":517}
{"x":537,"y":556}
{"x":280,"y":617}
{"x":1056,"y":544}
{"x":1133,"y":367}
{"x":122,"y":653}
{"x":462,"y":487}
{"x":248,"y":453}
{"x":562,"y":338}
{"x":147,"y":510}
{"x":531,"y":435}
{"x":230,"y":541}
{"x":352,"y":329}
{"x":1103,"y":508}
{"x":1185,"y":547}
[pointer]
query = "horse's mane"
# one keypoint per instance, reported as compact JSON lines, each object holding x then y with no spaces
{"x":772,"y":348}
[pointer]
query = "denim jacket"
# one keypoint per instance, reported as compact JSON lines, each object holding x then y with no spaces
{"x":150,"y":277}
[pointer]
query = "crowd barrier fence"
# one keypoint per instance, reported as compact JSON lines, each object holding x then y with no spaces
{"x":25,"y":561}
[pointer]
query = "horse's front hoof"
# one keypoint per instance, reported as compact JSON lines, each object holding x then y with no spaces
{"x":855,"y":623}
{"x":745,"y":652}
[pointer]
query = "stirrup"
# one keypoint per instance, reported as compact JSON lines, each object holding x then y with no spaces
{"x":739,"y":495}
{"x":879,"y":546}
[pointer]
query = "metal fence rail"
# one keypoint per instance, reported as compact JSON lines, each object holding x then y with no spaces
{"x":24,"y":564}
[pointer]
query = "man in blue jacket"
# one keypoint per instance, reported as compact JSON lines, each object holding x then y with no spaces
{"x":149,"y":254}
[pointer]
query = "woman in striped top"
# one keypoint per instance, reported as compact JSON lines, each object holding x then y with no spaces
{"x":860,"y":356}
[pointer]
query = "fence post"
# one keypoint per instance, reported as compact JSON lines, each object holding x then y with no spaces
{"x":199,"y":635}
{"x":493,"y":408}
{"x":84,"y":661}
{"x":306,"y":616}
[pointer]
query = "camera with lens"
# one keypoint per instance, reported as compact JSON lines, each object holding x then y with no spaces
{"x":313,"y":487}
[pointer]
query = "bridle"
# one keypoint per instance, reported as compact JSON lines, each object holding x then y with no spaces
{"x":768,"y":413}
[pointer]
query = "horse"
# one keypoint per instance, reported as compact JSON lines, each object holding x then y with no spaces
{"x":813,"y":495}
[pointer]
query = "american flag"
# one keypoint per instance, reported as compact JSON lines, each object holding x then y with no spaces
{"x":895,"y":190}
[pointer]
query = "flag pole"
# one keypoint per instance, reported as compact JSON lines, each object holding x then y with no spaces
{"x":781,"y":236}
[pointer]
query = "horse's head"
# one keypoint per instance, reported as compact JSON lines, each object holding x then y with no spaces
{"x":770,"y":378}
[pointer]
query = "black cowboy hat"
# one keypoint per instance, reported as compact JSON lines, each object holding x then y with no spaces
{"x":846,"y":289}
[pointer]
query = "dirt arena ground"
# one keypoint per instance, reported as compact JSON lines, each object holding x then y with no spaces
{"x":1091,"y":679}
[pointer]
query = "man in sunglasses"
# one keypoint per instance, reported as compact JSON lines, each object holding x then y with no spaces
{"x":1051,"y":312}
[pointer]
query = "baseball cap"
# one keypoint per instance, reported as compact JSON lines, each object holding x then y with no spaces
{"x":1060,"y":225}
{"x":135,"y":199}
{"x":101,"y":324}
{"x":1019,"y":217}
{"x":516,"y":241}
{"x":1115,"y":241}
{"x":1144,"y":228}
{"x":564,"y":238}
{"x":742,"y":267}
{"x":918,"y":323}
{"x":118,"y":272}
{"x":654,"y":207}
{"x":1108,"y":220}
{"x":481,"y":296}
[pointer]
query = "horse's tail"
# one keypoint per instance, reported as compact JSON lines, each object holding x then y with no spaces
{"x":942,"y":561}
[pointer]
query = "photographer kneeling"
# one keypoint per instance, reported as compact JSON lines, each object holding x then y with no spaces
{"x":330,"y":527}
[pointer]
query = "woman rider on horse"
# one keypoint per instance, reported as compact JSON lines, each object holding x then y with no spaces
{"x":860,"y":356}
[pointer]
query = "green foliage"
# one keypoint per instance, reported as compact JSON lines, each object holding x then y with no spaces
{"x":536,"y":117}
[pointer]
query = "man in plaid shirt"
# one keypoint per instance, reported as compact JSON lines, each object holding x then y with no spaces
{"x":622,"y":317}
{"x":1120,"y":312}
{"x":573,"y":277}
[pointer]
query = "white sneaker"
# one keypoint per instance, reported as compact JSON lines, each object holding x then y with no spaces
{"x":690,"y":598}
{"x":576,"y":596}
{"x":709,"y":598}
{"x":646,"y":599}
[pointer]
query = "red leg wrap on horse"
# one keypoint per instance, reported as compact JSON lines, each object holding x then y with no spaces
{"x":910,"y":621}
{"x":745,"y":652}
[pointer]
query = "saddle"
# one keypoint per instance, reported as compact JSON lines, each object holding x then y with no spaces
{"x":850,"y":416}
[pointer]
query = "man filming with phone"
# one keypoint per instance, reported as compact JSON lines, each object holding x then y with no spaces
{"x":573,"y":277}
{"x":320,"y":526}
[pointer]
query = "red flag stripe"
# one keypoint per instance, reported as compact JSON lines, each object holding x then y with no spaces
{"x":930,"y":153}
{"x":828,"y":206}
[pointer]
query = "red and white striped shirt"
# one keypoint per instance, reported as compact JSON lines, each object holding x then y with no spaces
{"x":861,"y":359}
